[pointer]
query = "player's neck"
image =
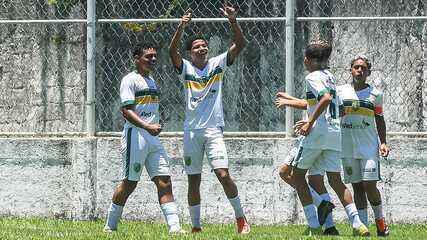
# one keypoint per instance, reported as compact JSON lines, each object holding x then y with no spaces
{"x":200,"y":64}
{"x":144,"y":73}
{"x":359,"y":85}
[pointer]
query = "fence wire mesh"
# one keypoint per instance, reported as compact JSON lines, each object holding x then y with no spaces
{"x":43,"y":66}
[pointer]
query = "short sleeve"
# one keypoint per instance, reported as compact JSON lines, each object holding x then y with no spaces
{"x":127,"y":92}
{"x":221,"y":60}
{"x":316,"y":86}
{"x":182,"y":68}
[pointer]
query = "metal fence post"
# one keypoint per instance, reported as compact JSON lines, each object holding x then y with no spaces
{"x":290,"y":60}
{"x":90,"y":65}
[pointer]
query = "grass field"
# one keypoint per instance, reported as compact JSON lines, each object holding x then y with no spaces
{"x":12,"y":228}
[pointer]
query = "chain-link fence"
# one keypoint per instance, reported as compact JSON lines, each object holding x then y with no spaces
{"x":43,"y":65}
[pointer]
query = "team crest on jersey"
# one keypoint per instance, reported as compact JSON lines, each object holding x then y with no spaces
{"x":355,"y":105}
{"x":349,"y":170}
{"x":137,"y":167}
{"x":187,"y":161}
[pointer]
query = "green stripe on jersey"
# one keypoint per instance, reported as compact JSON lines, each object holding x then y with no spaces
{"x":205,"y":79}
{"x":148,"y":92}
{"x":127,"y":103}
{"x":359,"y":103}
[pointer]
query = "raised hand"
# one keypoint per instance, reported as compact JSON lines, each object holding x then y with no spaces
{"x":229,"y":12}
{"x":186,"y":18}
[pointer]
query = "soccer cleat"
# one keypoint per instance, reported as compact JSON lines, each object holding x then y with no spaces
{"x":361,"y":231}
{"x":243,"y":226}
{"x":323,"y":210}
{"x":313,"y":231}
{"x":383,"y":229}
{"x":107,"y":229}
{"x":178,"y":232}
{"x":332,"y":231}
{"x":196,"y":230}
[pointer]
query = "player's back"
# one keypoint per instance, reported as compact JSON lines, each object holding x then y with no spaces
{"x":326,"y":131}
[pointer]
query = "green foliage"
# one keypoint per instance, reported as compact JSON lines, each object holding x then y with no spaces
{"x":152,"y":27}
{"x":38,"y":228}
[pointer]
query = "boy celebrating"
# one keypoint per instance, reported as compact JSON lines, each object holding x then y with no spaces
{"x":204,"y":121}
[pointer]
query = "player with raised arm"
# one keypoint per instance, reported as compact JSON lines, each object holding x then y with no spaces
{"x":321,"y":145}
{"x":204,"y":120}
{"x":141,"y":146}
{"x":364,"y":139}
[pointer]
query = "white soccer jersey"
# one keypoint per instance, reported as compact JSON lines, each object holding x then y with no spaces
{"x":144,"y":94}
{"x":203,"y":93}
{"x":326,"y":132}
{"x":359,"y":130}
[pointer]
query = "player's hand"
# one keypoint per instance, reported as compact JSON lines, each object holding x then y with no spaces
{"x":229,"y":12}
{"x":154,"y":129}
{"x":302,"y":127}
{"x":283,"y":95}
{"x":281,"y":102}
{"x":384,"y":150}
{"x":186,"y":18}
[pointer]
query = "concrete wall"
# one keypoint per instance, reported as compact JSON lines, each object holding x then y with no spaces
{"x":74,"y":178}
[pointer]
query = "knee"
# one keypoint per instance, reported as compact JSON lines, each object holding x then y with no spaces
{"x":128,"y":186}
{"x":335,"y":181}
{"x":222,"y":175}
{"x":285,"y":173}
{"x":163,"y":183}
{"x":370,"y":186}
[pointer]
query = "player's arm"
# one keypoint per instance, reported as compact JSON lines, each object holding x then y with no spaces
{"x":285,"y":100}
{"x":130,"y":115}
{"x":303,"y":127}
{"x":173,"y":47}
{"x":381,"y":128}
{"x":239,"y":41}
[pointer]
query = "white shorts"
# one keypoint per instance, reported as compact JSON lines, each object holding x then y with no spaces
{"x":290,"y":158}
{"x":139,"y":148}
{"x":317,"y":160}
{"x":199,"y":141}
{"x":358,"y":170}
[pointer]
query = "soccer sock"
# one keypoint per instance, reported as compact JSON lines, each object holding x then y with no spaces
{"x":353,"y":216}
{"x":195,"y":215}
{"x":363,"y":215}
{"x":113,"y":216}
{"x":311,"y":216}
{"x":317,"y":199}
{"x":235,"y":203}
{"x":378,"y":211}
{"x":329,"y":222}
{"x":170,"y":212}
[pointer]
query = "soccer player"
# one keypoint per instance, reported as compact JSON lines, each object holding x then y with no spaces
{"x":321,"y":145}
{"x":364,"y":139}
{"x":140,"y":142}
{"x":321,"y":198}
{"x":204,"y":120}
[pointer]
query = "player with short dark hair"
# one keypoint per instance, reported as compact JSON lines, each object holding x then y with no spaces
{"x":141,"y":146}
{"x":204,"y":118}
{"x":364,"y":140}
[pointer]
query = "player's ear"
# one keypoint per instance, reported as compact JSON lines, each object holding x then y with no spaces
{"x":368,"y":72}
